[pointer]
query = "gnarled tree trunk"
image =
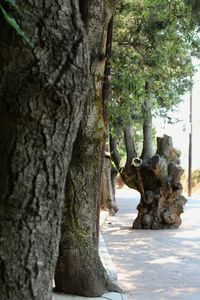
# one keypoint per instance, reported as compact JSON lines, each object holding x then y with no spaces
{"x":158,"y":181}
{"x":43,"y":91}
{"x":79,"y":269}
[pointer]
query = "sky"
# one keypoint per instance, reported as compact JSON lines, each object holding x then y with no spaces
{"x":180,"y":131}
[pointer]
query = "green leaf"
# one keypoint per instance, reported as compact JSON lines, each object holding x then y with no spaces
{"x":12,"y":22}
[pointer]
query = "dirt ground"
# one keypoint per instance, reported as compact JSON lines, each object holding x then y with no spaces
{"x":155,"y":264}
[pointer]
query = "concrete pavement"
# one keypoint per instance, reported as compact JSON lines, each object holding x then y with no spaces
{"x":155,"y":264}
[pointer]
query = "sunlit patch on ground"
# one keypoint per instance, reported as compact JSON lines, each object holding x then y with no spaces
{"x":155,"y":264}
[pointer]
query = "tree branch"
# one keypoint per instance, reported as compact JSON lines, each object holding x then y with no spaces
{"x":114,"y":153}
{"x":130,"y":147}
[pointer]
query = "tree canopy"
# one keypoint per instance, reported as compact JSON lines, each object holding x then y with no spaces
{"x":154,"y":42}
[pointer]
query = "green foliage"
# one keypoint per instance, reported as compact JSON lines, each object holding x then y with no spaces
{"x":154,"y":41}
{"x":195,"y":181}
{"x":196,"y":177}
{"x":13,"y":23}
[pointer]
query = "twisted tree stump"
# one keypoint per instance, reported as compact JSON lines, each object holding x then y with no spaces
{"x":158,"y":181}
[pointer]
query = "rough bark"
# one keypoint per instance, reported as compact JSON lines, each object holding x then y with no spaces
{"x":158,"y":181}
{"x":42,"y":95}
{"x":79,"y":269}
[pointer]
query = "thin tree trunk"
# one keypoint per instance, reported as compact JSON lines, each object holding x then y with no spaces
{"x":42,"y":95}
{"x":130,"y":147}
{"x":114,"y":153}
{"x":107,"y":199}
{"x":114,"y":173}
{"x":147,"y":150}
{"x":108,"y":190}
{"x":107,"y":73}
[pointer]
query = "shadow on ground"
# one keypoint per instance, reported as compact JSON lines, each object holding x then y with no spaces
{"x":155,"y":264}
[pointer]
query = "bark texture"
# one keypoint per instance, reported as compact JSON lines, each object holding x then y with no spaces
{"x":43,"y":91}
{"x":79,"y":269}
{"x":158,"y":181}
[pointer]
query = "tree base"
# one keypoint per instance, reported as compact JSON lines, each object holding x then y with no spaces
{"x":158,"y":181}
{"x":95,"y":285}
{"x":161,"y":213}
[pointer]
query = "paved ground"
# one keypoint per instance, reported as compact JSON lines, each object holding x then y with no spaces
{"x":155,"y":265}
{"x":107,"y":296}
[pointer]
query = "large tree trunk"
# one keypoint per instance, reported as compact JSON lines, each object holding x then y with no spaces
{"x":79,"y":269}
{"x":42,"y":95}
{"x":158,"y":181}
